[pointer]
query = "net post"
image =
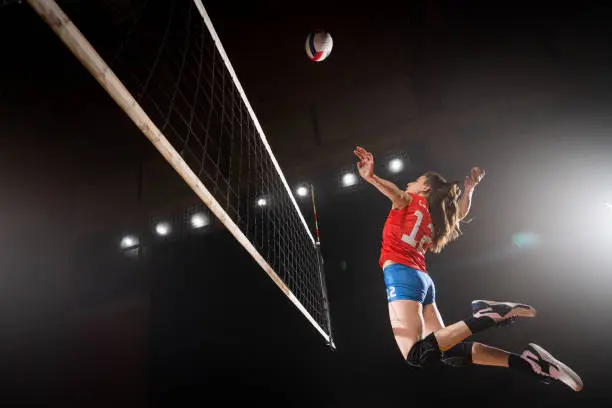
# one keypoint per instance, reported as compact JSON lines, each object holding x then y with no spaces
{"x":317,"y":244}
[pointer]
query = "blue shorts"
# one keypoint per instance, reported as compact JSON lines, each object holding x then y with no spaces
{"x":409,"y":284}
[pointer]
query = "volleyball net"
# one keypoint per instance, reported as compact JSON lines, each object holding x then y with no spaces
{"x":164,"y":65}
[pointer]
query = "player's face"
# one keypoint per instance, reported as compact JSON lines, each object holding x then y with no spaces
{"x":419,"y":186}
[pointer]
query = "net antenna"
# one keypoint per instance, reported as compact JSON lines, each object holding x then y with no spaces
{"x":230,"y":144}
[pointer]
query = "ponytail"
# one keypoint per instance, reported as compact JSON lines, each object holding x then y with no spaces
{"x":443,"y":202}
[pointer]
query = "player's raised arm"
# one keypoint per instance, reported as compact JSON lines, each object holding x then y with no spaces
{"x":471,"y":181}
{"x":366,"y":170}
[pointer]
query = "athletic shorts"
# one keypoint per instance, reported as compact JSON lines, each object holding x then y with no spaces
{"x":407,"y":283}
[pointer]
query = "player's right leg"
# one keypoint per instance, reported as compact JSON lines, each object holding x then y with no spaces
{"x":406,"y":292}
{"x":533,"y":361}
{"x":407,"y":323}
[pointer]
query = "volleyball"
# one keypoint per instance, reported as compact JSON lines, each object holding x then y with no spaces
{"x":477,"y":173}
{"x":318,"y":45}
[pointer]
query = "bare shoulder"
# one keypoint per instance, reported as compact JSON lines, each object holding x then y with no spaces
{"x":402,"y":201}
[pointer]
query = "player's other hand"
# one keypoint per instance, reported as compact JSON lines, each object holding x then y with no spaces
{"x":476,"y":175}
{"x":365,"y":163}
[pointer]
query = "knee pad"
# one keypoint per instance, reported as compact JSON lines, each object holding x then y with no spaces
{"x":424,"y":353}
{"x":459,"y":355}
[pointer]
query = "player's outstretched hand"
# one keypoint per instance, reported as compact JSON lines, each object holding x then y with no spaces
{"x":476,"y":175}
{"x":366,"y":162}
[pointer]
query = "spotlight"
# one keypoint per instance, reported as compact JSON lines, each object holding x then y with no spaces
{"x":302,"y":191}
{"x":129,"y":241}
{"x":262,"y":202}
{"x":396,"y":165}
{"x":199,"y":220}
{"x":349,"y":179}
{"x":163,"y":228}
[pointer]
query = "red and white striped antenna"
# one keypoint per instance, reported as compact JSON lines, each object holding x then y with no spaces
{"x":316,"y":218}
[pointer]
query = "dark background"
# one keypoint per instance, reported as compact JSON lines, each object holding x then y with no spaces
{"x":523,"y":90}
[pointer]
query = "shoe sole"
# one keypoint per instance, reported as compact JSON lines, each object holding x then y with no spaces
{"x":518,"y":309}
{"x":572,"y":379}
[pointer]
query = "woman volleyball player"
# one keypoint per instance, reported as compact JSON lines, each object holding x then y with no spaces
{"x":425,"y":216}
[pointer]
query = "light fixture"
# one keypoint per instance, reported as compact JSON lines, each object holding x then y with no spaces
{"x":199,"y":220}
{"x":396,"y":165}
{"x":302,"y":191}
{"x":129,"y":241}
{"x":162,"y":228}
{"x":349,"y":179}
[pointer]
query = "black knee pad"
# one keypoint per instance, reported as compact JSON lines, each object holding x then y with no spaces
{"x":459,"y":355}
{"x":424,"y":353}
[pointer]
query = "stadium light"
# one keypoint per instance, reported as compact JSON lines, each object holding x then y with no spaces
{"x":396,"y":165}
{"x":129,"y":241}
{"x":349,"y":179}
{"x":162,"y":228}
{"x":199,"y":220}
{"x":262,"y":202}
{"x":302,"y":191}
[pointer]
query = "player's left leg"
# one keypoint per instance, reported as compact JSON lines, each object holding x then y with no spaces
{"x":485,"y":314}
{"x":458,"y":353}
{"x":432,"y":319}
{"x":502,"y":313}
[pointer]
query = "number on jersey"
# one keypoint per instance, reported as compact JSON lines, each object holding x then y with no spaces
{"x":410,"y":239}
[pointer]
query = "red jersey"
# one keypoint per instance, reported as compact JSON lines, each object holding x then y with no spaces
{"x":407,"y":234}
